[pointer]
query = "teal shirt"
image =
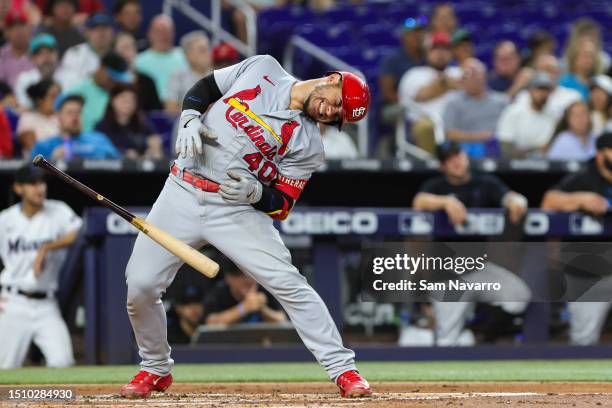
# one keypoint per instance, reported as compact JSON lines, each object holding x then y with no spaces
{"x":96,"y":99}
{"x":572,"y":82}
{"x":87,"y":145}
{"x":160,"y":65}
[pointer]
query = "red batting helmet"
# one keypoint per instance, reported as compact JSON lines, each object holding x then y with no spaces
{"x":355,"y":96}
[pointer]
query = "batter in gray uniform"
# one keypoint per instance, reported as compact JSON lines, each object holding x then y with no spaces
{"x":248,"y":143}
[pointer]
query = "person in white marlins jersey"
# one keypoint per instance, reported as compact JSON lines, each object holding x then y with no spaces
{"x":34,"y":236}
{"x":248,"y":143}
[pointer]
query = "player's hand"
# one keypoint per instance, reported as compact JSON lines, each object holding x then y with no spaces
{"x":190,"y":133}
{"x":39,"y":261}
{"x":593,"y":203}
{"x":240,"y":190}
{"x":456,"y":211}
{"x":254,"y":301}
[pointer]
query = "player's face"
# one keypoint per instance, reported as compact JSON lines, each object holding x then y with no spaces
{"x":33,"y":194}
{"x":70,"y":118}
{"x":457,"y":166}
{"x":324,"y":104}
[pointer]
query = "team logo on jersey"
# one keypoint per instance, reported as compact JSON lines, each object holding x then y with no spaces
{"x":286,"y":134}
{"x":21,"y":245}
{"x":245,"y":95}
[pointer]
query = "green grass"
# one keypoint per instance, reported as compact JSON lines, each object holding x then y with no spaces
{"x":534,"y":370}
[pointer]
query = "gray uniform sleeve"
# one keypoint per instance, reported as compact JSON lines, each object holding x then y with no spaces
{"x":226,"y":77}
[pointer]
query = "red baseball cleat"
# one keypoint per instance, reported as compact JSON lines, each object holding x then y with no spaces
{"x":143,"y":383}
{"x":353,"y":385}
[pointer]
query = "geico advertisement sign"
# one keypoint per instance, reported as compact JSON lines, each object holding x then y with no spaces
{"x":336,"y":222}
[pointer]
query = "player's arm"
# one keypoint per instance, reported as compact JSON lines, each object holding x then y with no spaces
{"x":61,"y":242}
{"x":558,"y":200}
{"x":455,"y":210}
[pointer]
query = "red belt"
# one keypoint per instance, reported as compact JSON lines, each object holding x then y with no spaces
{"x":196,"y":181}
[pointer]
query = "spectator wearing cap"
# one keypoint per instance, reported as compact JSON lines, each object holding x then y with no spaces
{"x":6,"y":136}
{"x":560,"y":97}
{"x":224,"y":55}
{"x":186,"y":315}
{"x":524,"y":129}
{"x":573,"y":138}
{"x":72,"y":141}
{"x":43,"y":53}
{"x":507,"y":75}
{"x":425,"y":90}
{"x":589,"y":191}
{"x":472,"y":113}
{"x":41,"y":122}
{"x":237,"y":298}
{"x":600,"y":103}
{"x":95,"y":90}
{"x":196,"y":47}
{"x":14,"y":57}
{"x":148,"y":99}
{"x":456,"y":190}
{"x":128,"y":19}
{"x":463,"y":46}
{"x":60,"y":24}
{"x":409,"y":54}
{"x":162,"y":58}
{"x":82,"y":60}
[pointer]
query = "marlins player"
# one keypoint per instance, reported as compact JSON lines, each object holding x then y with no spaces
{"x":248,"y":142}
{"x":34,"y":235}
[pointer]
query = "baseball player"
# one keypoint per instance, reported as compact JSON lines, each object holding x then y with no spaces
{"x":34,"y":235}
{"x":248,"y":142}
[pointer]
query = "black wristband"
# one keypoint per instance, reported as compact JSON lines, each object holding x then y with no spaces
{"x":273,"y":200}
{"x":204,"y":93}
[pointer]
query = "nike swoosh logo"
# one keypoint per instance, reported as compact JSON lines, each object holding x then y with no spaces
{"x":268,"y":79}
{"x":185,"y":125}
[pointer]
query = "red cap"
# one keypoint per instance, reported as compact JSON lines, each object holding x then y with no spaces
{"x":225,"y":52}
{"x":440,"y":39}
{"x":355,"y":96}
{"x":15,"y":16}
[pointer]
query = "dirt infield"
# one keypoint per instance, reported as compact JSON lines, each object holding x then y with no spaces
{"x":387,"y":394}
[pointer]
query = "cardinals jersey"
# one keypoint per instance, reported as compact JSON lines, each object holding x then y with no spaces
{"x":20,"y":238}
{"x":258,"y":136}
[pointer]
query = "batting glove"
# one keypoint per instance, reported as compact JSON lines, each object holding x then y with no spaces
{"x":240,"y":190}
{"x":190,"y":133}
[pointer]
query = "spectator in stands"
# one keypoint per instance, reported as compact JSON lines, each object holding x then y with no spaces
{"x":237,"y":299}
{"x":539,"y":44}
{"x":600,"y":103}
{"x":6,"y":136}
{"x":148,"y":99}
{"x":14,"y":58}
{"x":590,"y":191}
{"x":507,"y":75}
{"x":582,"y":63}
{"x":456,"y":190}
{"x":43,"y":51}
{"x":471,"y":114}
{"x":41,"y":123}
{"x":162,"y":58}
{"x":72,"y":141}
{"x":586,"y":28}
{"x":7,"y":97}
{"x":411,"y":53}
{"x":524,"y":129}
{"x":61,"y":25}
{"x":196,"y":47}
{"x":573,"y":138}
{"x":426,"y":90}
{"x":112,"y":70}
{"x":82,"y":60}
{"x":83,"y":9}
{"x":127,"y":127}
{"x":337,"y":144}
{"x":189,"y":311}
{"x":224,"y":55}
{"x":463,"y":46}
{"x":560,"y":97}
{"x":128,"y":19}
{"x":443,"y":19}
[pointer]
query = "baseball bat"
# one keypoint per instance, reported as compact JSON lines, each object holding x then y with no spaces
{"x":188,"y":254}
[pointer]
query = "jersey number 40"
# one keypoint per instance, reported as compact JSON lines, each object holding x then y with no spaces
{"x":267,"y":171}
